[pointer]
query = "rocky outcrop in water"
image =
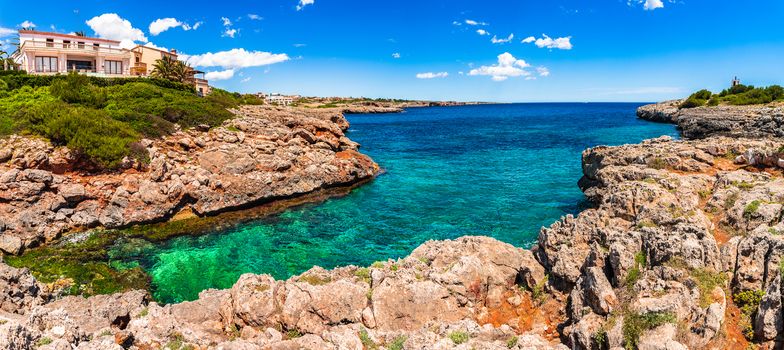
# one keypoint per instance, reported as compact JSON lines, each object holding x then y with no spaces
{"x":262,"y":155}
{"x":755,"y":121}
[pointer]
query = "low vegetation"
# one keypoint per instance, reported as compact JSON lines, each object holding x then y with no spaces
{"x":737,"y":95}
{"x":102,"y":120}
{"x":459,"y":337}
{"x":748,"y":302}
{"x":635,"y":324}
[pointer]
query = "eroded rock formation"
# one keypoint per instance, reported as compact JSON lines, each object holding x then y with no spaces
{"x":265,"y":154}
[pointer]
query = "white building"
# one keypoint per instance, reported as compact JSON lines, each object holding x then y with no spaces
{"x":280,"y":100}
{"x":52,"y":53}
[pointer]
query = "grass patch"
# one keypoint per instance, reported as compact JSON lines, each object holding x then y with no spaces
{"x":368,"y":343}
{"x":293,"y":334}
{"x":634,"y":274}
{"x":707,"y":281}
{"x":397,"y":343}
{"x":635,"y":324}
{"x":314,"y":280}
{"x":459,"y":337}
{"x":43,"y":341}
{"x":645,"y":223}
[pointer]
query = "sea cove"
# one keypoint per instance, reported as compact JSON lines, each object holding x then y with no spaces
{"x":501,"y":171}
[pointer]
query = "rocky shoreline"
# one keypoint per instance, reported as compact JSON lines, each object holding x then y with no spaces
{"x":263,"y":155}
{"x":683,"y":248}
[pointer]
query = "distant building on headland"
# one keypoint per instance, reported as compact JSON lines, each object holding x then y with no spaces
{"x":47,"y":53}
{"x":278,"y":99}
{"x":735,"y":82}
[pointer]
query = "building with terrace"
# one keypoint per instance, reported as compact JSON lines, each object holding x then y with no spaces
{"x":56,"y":53}
{"x":52,"y":53}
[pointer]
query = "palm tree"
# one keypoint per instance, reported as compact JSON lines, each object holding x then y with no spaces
{"x":80,"y":33}
{"x":4,"y":59}
{"x":172,"y":69}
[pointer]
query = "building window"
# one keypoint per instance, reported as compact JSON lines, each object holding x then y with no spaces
{"x":49,"y":42}
{"x":96,"y":46}
{"x":45,"y":64}
{"x":113,"y":67}
{"x":66,"y":44}
{"x":81,"y":44}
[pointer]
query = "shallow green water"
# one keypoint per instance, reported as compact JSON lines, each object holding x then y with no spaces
{"x":497,"y":170}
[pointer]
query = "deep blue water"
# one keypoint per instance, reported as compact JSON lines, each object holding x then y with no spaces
{"x":498,"y":170}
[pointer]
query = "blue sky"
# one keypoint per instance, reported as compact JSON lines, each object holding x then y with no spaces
{"x":601,"y":50}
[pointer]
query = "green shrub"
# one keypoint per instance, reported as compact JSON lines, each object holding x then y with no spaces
{"x":635,"y":324}
{"x":511,"y":342}
{"x":76,"y":88}
{"x":459,"y":337}
{"x":697,"y":99}
{"x":751,"y":209}
{"x":363,"y":273}
{"x":92,"y":134}
{"x":776,"y":92}
{"x":748,"y":302}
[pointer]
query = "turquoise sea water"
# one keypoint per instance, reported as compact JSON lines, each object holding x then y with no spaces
{"x":497,"y":170}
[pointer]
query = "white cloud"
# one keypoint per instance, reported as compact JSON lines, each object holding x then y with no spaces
{"x":471,"y":22}
{"x":300,"y":45}
{"x":457,"y":23}
{"x":482,"y":32}
{"x":254,"y":17}
{"x":219,"y":75}
{"x":543,"y":71}
{"x":431,"y":75}
{"x":245,"y":80}
{"x":27,"y":24}
{"x":495,"y":40}
{"x":235,"y":58}
{"x":303,"y":3}
{"x":196,"y":25}
{"x":507,"y":66}
{"x":4,"y":32}
{"x":113,"y":27}
{"x":651,"y":5}
{"x":396,"y":55}
{"x":564,"y":43}
{"x":161,"y":25}
{"x":230,"y":32}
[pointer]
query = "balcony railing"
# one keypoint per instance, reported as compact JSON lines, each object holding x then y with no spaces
{"x":71,"y":47}
{"x":30,"y":68}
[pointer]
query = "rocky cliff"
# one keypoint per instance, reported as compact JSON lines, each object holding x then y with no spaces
{"x":262,"y":155}
{"x":683,"y":248}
